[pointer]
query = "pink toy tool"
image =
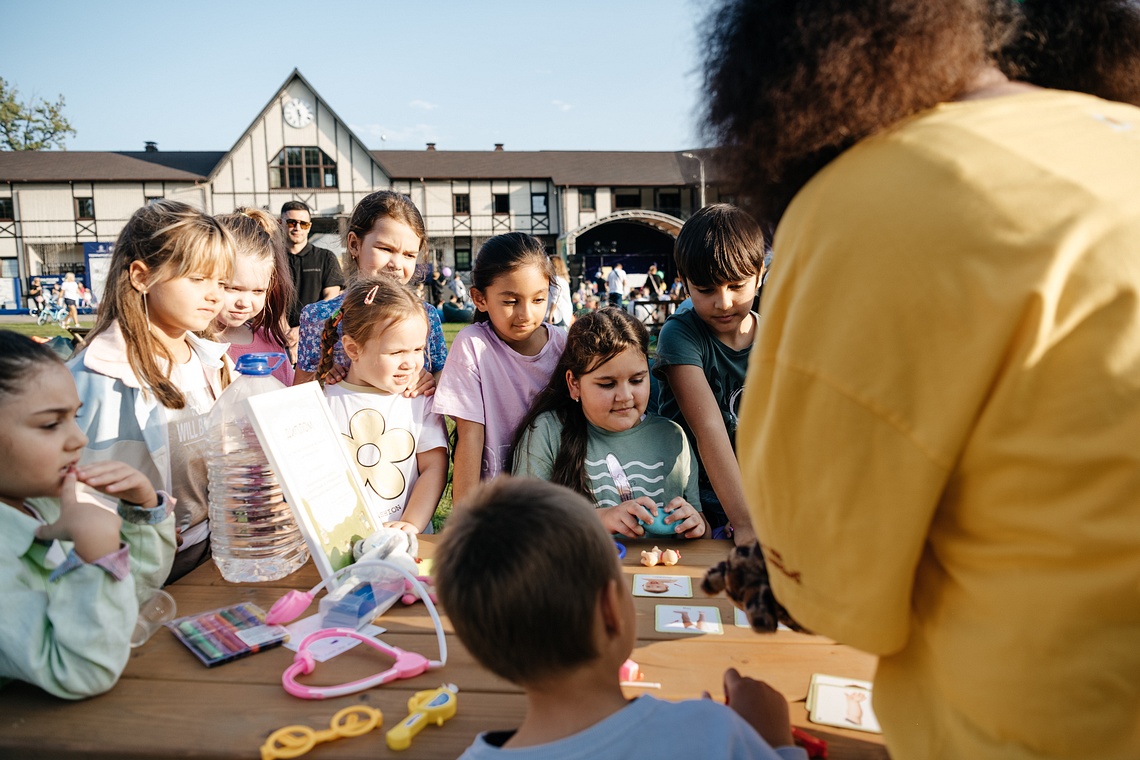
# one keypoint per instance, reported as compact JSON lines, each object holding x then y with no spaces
{"x":390,"y":579}
{"x":406,"y":665}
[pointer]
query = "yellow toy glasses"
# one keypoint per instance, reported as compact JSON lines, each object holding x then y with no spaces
{"x":294,"y":741}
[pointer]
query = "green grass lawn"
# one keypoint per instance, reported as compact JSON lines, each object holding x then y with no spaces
{"x":49,"y":330}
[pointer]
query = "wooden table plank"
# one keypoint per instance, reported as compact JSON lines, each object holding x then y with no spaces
{"x":168,"y":705}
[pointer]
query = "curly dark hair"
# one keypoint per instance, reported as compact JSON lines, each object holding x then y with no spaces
{"x":790,"y":85}
{"x":1089,"y":46}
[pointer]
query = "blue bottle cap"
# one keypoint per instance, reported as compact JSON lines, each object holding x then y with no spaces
{"x":258,"y":364}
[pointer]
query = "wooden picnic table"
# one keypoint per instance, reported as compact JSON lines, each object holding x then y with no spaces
{"x":168,"y":704}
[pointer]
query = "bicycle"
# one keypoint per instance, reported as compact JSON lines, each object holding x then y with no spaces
{"x":52,"y":312}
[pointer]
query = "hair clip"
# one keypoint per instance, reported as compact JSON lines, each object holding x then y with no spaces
{"x":368,"y":299}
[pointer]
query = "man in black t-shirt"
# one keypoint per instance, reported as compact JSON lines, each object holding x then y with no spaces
{"x":316,"y":272}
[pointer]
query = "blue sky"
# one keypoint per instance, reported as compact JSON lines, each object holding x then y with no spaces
{"x":544,"y":74}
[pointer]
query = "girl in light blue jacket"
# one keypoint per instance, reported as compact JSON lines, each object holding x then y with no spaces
{"x":149,"y":373}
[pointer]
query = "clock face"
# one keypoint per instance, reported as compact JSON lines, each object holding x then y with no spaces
{"x":297,"y":113}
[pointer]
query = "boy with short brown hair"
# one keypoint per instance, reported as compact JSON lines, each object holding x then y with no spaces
{"x":533,"y":587}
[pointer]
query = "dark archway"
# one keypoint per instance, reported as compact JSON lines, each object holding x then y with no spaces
{"x":635,"y":238}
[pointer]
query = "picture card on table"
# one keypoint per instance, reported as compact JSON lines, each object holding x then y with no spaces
{"x":842,"y":702}
{"x":686,"y":619}
{"x":663,"y":585}
{"x":323,"y":488}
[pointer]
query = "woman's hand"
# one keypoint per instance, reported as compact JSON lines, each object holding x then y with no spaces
{"x":93,"y":528}
{"x":119,"y":480}
{"x":623,"y":517}
{"x":424,"y":385}
{"x":685,"y":519}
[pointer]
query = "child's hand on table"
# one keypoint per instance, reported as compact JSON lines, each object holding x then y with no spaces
{"x":685,"y":519}
{"x":764,"y":708}
{"x":93,"y":528}
{"x":404,"y":526}
{"x":623,"y":517}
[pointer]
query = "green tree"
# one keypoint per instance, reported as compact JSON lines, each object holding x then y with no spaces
{"x":34,"y":125}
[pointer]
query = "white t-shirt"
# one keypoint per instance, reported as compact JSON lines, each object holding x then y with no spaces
{"x":383,"y":433}
{"x":70,"y":289}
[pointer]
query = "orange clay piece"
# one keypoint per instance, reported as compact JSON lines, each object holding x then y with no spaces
{"x":670,"y":557}
{"x":651,"y":558}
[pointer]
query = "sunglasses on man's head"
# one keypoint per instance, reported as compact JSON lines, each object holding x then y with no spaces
{"x":298,"y":223}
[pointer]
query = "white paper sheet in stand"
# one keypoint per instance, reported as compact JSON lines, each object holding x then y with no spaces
{"x":324,"y":490}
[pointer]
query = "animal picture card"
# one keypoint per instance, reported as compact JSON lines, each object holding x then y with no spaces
{"x":842,"y":702}
{"x":663,"y":585}
{"x":684,"y":619}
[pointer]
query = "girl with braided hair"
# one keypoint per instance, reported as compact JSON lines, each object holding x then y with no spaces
{"x":386,"y":236}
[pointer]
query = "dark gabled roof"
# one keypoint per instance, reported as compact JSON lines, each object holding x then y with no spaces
{"x":562,"y":167}
{"x":200,"y":162}
{"x":94,"y":166}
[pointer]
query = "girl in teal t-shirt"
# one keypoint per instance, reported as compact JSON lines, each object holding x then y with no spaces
{"x":588,"y":430}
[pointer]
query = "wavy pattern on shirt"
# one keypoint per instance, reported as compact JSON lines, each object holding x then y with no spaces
{"x":641,"y":475}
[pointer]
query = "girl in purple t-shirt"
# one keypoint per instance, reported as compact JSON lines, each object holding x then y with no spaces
{"x":499,"y":364}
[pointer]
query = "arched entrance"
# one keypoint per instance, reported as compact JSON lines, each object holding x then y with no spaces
{"x":635,"y":237}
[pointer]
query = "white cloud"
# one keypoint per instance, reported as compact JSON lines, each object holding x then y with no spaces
{"x":561,"y":106}
{"x":423,"y":104}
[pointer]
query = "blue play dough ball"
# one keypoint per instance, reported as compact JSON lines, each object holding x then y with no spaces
{"x":658,"y":526}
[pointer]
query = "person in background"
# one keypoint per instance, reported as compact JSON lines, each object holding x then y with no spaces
{"x":677,"y":289}
{"x":939,"y":432}
{"x":69,"y":292}
{"x":455,"y":282}
{"x":36,"y":294}
{"x":315,"y":271}
{"x":568,"y":665}
{"x":655,"y":280}
{"x":616,"y":284}
{"x":436,"y":285}
{"x":561,"y":310}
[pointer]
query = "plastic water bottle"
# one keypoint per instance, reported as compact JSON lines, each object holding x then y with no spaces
{"x":253,"y":533}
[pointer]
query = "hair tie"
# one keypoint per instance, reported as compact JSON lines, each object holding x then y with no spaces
{"x":368,"y":299}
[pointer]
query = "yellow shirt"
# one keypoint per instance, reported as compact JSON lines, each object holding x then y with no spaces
{"x":940,"y":437}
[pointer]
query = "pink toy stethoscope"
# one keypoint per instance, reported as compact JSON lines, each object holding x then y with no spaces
{"x":407,"y":664}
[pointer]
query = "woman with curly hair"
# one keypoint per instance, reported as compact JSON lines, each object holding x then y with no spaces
{"x":942,"y":452}
{"x":1089,"y":46}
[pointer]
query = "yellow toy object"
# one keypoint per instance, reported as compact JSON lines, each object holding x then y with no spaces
{"x":294,"y":741}
{"x":432,"y":706}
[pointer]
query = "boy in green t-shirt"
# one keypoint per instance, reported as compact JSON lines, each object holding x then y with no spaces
{"x":702,"y":353}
